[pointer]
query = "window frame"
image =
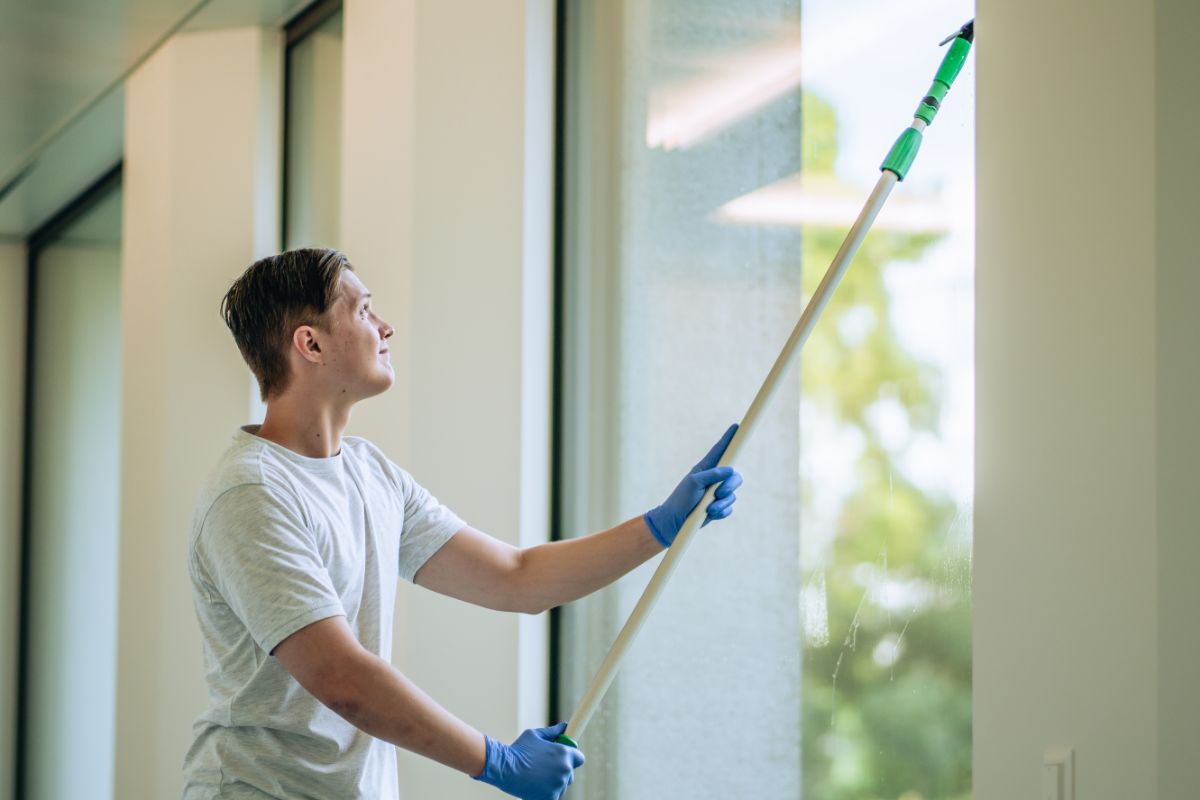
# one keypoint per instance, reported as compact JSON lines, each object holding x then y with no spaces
{"x":42,"y":237}
{"x":295,"y":32}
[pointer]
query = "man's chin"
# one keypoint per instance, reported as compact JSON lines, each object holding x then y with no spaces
{"x":384,"y":383}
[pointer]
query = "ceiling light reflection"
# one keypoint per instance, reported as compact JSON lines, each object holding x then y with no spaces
{"x":686,"y":112}
{"x":822,"y":200}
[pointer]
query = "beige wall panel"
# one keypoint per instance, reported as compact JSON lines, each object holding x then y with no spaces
{"x":201,"y":199}
{"x":447,"y":213}
{"x":1065,"y":563}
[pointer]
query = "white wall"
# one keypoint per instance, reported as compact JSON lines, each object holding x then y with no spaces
{"x":1086,"y":379}
{"x":201,"y":202}
{"x":12,"y":415}
{"x":447,"y":181}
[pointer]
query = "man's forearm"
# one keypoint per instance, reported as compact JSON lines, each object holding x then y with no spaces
{"x":378,"y":699}
{"x":558,"y":572}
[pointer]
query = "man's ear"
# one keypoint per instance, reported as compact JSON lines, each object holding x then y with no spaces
{"x":305,"y":341}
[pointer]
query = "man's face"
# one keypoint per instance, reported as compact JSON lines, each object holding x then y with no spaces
{"x":357,"y":360}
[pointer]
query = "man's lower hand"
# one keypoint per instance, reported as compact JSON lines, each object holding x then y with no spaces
{"x":534,"y":767}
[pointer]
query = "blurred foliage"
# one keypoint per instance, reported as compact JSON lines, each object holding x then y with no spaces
{"x":870,"y":729}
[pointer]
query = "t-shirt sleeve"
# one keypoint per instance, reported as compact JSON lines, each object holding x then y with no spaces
{"x":427,"y":525}
{"x":259,"y":555}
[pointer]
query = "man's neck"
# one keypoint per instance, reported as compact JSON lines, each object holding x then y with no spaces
{"x":311,"y":430}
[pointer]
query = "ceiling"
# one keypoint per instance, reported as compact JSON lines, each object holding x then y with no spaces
{"x":62,"y":70}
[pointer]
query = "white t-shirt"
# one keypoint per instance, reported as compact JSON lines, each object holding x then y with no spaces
{"x":280,"y":541}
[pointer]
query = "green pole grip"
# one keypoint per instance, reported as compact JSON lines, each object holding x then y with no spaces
{"x":903,"y":153}
{"x":567,"y":740}
{"x":952,"y":64}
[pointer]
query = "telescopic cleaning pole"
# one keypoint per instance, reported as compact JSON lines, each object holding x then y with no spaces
{"x":894,"y":168}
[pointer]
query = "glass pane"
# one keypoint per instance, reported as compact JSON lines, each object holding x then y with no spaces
{"x":887,"y":411}
{"x":71,"y":689}
{"x":818,"y":644}
{"x":675,"y":317}
{"x":314,"y":138}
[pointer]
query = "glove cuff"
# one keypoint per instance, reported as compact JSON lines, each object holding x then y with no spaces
{"x":655,"y":528}
{"x":491,"y":764}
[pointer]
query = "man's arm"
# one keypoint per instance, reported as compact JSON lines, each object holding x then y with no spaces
{"x":474,"y":567}
{"x":375,"y":697}
{"x":478,"y":569}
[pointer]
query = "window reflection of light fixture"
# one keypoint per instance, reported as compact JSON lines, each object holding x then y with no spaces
{"x":822,"y":200}
{"x":687,"y":112}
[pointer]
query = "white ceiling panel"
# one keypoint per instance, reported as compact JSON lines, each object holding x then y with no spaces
{"x":56,"y":55}
{"x":62,"y":65}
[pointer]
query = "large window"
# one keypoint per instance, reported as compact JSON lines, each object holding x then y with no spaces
{"x":313,"y":132}
{"x":818,"y":644}
{"x":70,"y":539}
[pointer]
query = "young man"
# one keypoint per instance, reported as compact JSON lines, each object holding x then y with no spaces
{"x":299,"y":537}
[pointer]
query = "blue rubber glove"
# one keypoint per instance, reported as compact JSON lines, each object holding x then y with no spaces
{"x":534,"y":767}
{"x":666,"y":520}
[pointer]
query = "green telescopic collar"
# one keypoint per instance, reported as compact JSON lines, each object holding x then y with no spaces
{"x":903,"y":153}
